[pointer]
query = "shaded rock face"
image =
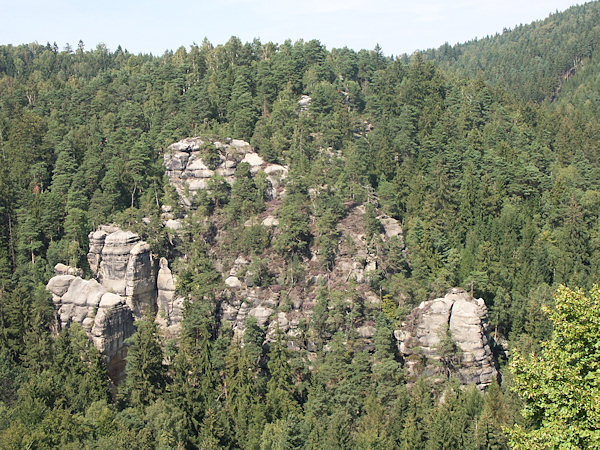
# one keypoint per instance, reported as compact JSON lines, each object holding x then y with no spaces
{"x":466,"y":319}
{"x":189,"y":173}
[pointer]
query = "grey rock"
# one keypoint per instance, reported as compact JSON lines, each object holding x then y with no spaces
{"x":270,"y":221}
{"x":59,"y":284}
{"x":239,"y":145}
{"x":304,"y":102}
{"x":262,"y":314}
{"x":140,"y":287}
{"x":366,"y":331}
{"x":391,"y":226}
{"x":186,"y":145}
{"x":83,"y":292}
{"x":233,"y":282}
{"x":114,"y":260}
{"x":173,"y":224}
{"x":106,"y":306}
{"x":62,"y":269}
{"x":254,"y":160}
{"x":467,"y":321}
{"x":170,"y":307}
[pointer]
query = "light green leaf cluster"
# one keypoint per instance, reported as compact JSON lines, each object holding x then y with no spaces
{"x":561,"y":387}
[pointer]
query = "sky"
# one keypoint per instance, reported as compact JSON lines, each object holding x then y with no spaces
{"x":154,"y":26}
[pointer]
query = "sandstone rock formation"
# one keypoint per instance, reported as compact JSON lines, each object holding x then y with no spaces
{"x":467,"y":322}
{"x":106,"y":306}
{"x":123,"y":264}
{"x":170,"y":307}
{"x":189,"y":173}
{"x":104,"y":315}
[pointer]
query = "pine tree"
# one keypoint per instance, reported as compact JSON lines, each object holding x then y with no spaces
{"x":279,"y":399}
{"x":145,"y":373}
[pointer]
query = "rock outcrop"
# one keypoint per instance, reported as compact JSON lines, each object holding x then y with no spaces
{"x":123,"y":264}
{"x":170,"y":306}
{"x":188,"y":172}
{"x":106,"y":306}
{"x":104,"y":315}
{"x":457,"y":316}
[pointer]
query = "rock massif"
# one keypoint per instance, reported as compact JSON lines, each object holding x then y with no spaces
{"x":189,"y":170}
{"x":456,"y":316}
{"x":128,"y":280}
{"x":125,"y":285}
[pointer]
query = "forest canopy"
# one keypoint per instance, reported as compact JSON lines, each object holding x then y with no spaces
{"x":489,"y":163}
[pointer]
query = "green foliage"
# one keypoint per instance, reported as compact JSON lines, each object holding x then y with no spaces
{"x":491,"y":192}
{"x":145,"y":373}
{"x":295,"y":235}
{"x":254,"y":240}
{"x":560,"y":386}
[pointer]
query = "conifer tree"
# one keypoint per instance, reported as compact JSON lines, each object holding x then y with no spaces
{"x":145,"y":373}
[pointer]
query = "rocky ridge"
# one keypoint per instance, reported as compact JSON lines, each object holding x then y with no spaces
{"x":128,"y":280}
{"x":189,"y":170}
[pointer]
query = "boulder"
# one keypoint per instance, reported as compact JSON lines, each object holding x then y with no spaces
{"x":366,"y":331}
{"x":173,"y":224}
{"x":262,"y":314}
{"x":254,"y":160}
{"x":59,"y":284}
{"x":391,"y":226}
{"x":62,"y":269}
{"x":233,"y":282}
{"x":189,"y":144}
{"x":270,"y":221}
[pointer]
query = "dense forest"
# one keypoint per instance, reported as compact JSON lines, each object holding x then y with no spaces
{"x":487,"y":153}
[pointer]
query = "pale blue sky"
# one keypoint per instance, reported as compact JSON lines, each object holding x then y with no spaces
{"x":154,"y":26}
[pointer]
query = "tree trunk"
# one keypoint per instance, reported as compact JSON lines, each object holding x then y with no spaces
{"x":133,"y":192}
{"x":11,"y":242}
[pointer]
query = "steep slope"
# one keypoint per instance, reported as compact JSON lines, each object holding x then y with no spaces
{"x":309,"y":310}
{"x":530,"y":60}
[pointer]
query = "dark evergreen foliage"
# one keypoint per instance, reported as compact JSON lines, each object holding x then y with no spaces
{"x":486,"y":152}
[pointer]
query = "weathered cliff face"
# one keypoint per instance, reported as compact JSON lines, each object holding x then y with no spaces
{"x":123,"y":264}
{"x":106,"y":306}
{"x":424,"y":338}
{"x":189,"y":173}
{"x":104,"y":315}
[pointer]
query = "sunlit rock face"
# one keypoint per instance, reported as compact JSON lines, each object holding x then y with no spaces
{"x":461,"y":318}
{"x":107,"y":306}
{"x":104,"y":315}
{"x":189,"y":171}
{"x":123,"y":264}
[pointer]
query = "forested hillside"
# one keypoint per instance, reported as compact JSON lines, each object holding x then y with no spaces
{"x":495,"y":187}
{"x":531,"y":60}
